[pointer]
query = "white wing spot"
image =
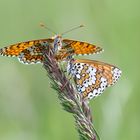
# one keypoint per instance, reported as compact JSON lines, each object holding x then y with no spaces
{"x":116,"y":74}
{"x":90,"y":95}
{"x":78,"y":76}
{"x":83,"y":89}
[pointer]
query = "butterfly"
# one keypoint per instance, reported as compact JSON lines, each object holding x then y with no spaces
{"x":31,"y":52}
{"x":92,"y":77}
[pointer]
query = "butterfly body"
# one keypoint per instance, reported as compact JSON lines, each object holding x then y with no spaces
{"x":57,"y":43}
{"x":92,"y":77}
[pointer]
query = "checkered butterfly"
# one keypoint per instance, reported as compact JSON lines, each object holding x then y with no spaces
{"x":31,"y":52}
{"x":92,"y":77}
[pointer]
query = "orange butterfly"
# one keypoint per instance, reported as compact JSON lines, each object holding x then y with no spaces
{"x":92,"y":77}
{"x":30,"y":52}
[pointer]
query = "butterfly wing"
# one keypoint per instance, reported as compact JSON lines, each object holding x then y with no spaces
{"x":29,"y":52}
{"x":93,"y":77}
{"x":79,"y":47}
{"x":32,"y":55}
{"x":16,"y":49}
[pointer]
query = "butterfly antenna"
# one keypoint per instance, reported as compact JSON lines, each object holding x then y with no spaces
{"x":44,"y":26}
{"x":72,"y":29}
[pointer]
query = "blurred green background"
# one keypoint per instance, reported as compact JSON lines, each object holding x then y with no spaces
{"x":29,"y":108}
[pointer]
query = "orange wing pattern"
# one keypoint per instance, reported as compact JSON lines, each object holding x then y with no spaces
{"x":93,"y":77}
{"x":72,"y":47}
{"x":16,"y":49}
{"x":78,"y":47}
{"x":32,"y":55}
{"x":29,"y":52}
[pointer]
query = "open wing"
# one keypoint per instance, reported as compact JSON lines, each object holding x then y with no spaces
{"x":16,"y":49}
{"x":79,"y":47}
